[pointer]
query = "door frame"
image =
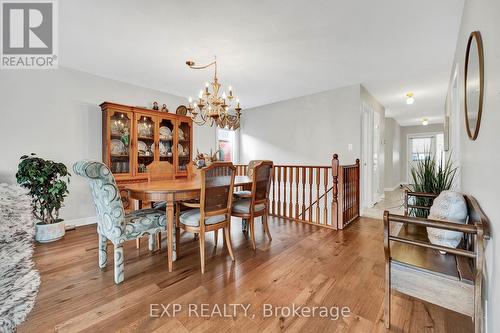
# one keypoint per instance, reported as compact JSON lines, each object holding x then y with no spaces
{"x":370,"y":194}
{"x":367,"y":150}
{"x":377,"y":187}
{"x":455,"y":119}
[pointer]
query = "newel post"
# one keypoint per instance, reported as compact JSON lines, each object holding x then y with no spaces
{"x":358,"y":186}
{"x":335,"y":191}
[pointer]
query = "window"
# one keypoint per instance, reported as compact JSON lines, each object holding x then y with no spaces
{"x":420,"y":148}
{"x":425,"y":146}
{"x":226,"y":144}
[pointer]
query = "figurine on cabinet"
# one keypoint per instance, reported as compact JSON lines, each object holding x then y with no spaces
{"x":155,"y":106}
{"x":164,"y":108}
{"x":125,"y":137}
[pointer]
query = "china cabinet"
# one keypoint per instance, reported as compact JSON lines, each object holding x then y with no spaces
{"x":134,"y":137}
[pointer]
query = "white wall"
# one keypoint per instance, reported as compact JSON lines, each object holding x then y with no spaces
{"x":392,"y":143}
{"x":56,"y":114}
{"x":407,"y":130}
{"x":480,"y":161}
{"x":305,"y":130}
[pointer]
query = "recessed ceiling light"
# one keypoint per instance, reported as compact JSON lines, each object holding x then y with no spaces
{"x":425,"y":121}
{"x":409,"y":98}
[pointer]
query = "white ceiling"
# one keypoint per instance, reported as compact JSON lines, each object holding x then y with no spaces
{"x":271,"y":50}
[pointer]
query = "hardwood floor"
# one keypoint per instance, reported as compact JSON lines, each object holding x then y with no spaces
{"x":304,"y":264}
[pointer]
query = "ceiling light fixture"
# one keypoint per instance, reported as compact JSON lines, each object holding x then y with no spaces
{"x":409,"y":98}
{"x":210,"y":107}
{"x":425,"y":121}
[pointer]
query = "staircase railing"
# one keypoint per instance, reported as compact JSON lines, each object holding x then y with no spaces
{"x":327,"y":196}
{"x":317,"y":200}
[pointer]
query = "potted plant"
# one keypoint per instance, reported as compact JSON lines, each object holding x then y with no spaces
{"x":47,"y":182}
{"x":431,"y":177}
{"x":428,"y":176}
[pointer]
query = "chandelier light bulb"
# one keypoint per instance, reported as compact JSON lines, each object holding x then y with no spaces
{"x":200,"y":95}
{"x":425,"y":121}
{"x":190,"y":99}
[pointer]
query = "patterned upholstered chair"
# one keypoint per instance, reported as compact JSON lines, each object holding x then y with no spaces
{"x":113,"y":223}
{"x":213,"y":212}
{"x":257,"y":204}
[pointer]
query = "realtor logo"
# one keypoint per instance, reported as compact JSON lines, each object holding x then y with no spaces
{"x":28,"y":34}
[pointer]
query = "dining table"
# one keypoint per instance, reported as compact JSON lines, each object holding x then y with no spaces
{"x":171,"y":191}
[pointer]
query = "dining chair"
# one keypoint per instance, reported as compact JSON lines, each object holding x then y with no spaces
{"x":257,"y":204}
{"x":158,"y":170}
{"x":112,"y":222}
{"x":213,"y":212}
{"x":246,"y":191}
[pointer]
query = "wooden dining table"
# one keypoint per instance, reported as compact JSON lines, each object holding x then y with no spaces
{"x":171,"y":191}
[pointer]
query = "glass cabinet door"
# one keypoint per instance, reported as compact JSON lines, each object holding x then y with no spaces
{"x":166,"y":140}
{"x":183,"y":146}
{"x":120,"y":153}
{"x":146,"y":149}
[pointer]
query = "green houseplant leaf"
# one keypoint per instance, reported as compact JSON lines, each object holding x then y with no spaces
{"x":428,"y":176}
{"x":47,"y":182}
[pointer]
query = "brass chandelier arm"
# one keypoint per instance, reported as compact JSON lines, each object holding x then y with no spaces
{"x":192,"y":66}
{"x":199,"y":122}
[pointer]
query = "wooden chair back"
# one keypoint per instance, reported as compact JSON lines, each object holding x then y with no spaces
{"x":217,"y":184}
{"x":251,"y":167}
{"x":160,"y":170}
{"x":261,"y":181}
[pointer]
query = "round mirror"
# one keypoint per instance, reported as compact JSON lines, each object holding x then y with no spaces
{"x":474,"y":83}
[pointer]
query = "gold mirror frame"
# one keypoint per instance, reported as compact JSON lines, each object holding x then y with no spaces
{"x":475,"y":36}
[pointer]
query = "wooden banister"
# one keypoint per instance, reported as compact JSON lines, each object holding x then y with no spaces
{"x":302,"y":193}
{"x":316,"y":201}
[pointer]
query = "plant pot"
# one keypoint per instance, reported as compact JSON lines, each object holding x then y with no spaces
{"x":46,"y":233}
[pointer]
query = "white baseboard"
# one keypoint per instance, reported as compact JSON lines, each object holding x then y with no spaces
{"x":80,"y":222}
{"x":373,"y":214}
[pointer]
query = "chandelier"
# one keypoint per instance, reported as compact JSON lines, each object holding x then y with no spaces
{"x":212,"y":108}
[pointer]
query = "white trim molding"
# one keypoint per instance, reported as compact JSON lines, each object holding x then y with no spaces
{"x":80,"y":222}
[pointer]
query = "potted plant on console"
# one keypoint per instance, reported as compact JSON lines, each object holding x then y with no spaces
{"x":47,"y":182}
{"x":429,"y":176}
{"x":437,"y":179}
